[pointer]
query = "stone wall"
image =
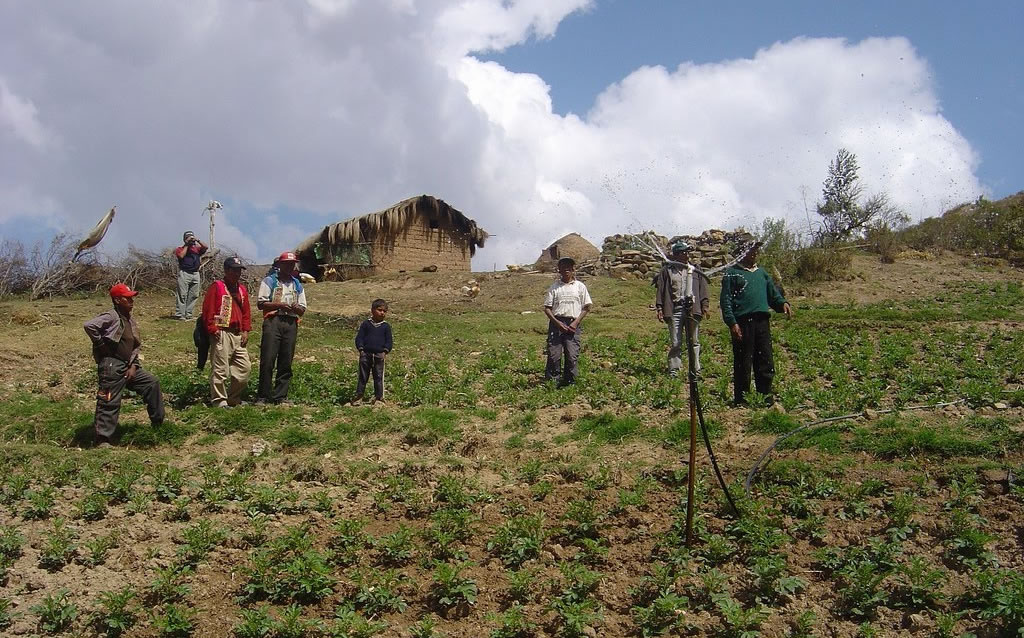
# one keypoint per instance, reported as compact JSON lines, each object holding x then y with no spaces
{"x":627,"y":256}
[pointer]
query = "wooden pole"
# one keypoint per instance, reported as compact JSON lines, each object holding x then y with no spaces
{"x":692,"y":382}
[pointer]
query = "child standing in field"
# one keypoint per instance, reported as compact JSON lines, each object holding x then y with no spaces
{"x":373,"y":341}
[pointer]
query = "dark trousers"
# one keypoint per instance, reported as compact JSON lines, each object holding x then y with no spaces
{"x":754,"y":350}
{"x":561,"y":344}
{"x":110,"y":372}
{"x":277,"y":348}
{"x":371,"y":363}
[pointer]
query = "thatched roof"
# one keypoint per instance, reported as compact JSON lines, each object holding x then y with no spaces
{"x":392,"y":221}
{"x":572,"y":245}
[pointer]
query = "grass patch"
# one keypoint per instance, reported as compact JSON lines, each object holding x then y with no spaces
{"x":606,"y":428}
{"x":897,"y":436}
{"x":37,"y":419}
{"x":296,"y":436}
{"x":771,"y":422}
{"x":431,"y":425}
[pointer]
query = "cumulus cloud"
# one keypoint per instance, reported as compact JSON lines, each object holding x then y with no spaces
{"x":331,"y":108}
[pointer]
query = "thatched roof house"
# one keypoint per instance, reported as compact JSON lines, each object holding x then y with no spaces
{"x":572,"y":245}
{"x":419,"y":233}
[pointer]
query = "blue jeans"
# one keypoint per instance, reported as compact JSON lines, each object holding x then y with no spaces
{"x":677,"y":337}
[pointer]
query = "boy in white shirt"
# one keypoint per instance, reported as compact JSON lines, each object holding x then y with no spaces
{"x":566,"y":302}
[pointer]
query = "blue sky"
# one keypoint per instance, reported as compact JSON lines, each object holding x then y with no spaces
{"x":974,"y":49}
{"x":536,"y":118}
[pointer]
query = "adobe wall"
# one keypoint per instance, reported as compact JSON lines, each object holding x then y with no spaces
{"x":420,"y":246}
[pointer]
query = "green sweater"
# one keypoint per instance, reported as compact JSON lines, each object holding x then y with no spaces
{"x":748,"y":291}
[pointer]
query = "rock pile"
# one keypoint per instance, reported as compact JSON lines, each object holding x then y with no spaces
{"x":629,"y":256}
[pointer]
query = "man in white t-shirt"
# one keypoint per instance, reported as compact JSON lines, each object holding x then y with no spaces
{"x":566,"y":302}
{"x":283,"y":301}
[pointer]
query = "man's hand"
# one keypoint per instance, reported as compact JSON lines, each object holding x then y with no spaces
{"x":705,"y":310}
{"x":245,"y":339}
{"x":737,"y":333}
{"x":661,"y":315}
{"x":130,"y":372}
{"x":787,"y":310}
{"x":574,"y":325}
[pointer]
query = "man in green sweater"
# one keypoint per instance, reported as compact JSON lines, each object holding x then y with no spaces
{"x":748,"y":297}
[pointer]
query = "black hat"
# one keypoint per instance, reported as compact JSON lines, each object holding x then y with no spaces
{"x":567,"y":261}
{"x":233,"y":262}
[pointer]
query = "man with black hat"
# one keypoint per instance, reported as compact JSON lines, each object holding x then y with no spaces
{"x":189,"y":282}
{"x":681,"y":287}
{"x":283,"y":302}
{"x":566,"y":302}
{"x":115,"y":347}
{"x":748,"y":296}
{"x":226,"y":317}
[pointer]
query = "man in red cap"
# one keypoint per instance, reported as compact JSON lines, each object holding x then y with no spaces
{"x":226,"y":317}
{"x":283,"y":301}
{"x":115,"y":347}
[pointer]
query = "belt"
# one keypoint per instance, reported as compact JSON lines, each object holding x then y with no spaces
{"x":234,"y":331}
{"x":288,"y":317}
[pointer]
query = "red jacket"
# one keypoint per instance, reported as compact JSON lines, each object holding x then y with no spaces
{"x":239,"y":317}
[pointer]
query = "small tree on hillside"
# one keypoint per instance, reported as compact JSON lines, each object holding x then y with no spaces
{"x":844,"y":213}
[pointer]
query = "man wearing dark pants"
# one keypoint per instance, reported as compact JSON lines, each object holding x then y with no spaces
{"x":566,"y":302}
{"x":189,"y":259}
{"x":115,"y":347}
{"x":283,"y":301}
{"x":748,"y":297}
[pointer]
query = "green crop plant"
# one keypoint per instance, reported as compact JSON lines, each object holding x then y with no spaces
{"x":139,"y":503}
{"x":40,"y":504}
{"x":576,"y":618}
{"x":6,"y":616}
{"x":582,"y":520}
{"x":578,"y":582}
{"x":348,"y":539}
{"x":451,"y":588}
{"x":379,"y":592}
{"x":396,"y":548}
{"x":350,"y":624}
{"x":179,"y":509}
{"x":521,"y":584}
{"x":96,"y":550}
{"x":199,"y":539}
{"x":919,"y":585}
{"x":92,"y":507}
{"x":56,"y":612}
{"x":966,"y":540}
{"x":175,"y":621}
{"x":291,"y":624}
{"x":448,"y":528}
{"x":740,"y":622}
{"x":255,"y":623}
{"x":861,"y":589}
{"x":541,"y":489}
{"x":426,"y":628}
{"x":513,"y":624}
{"x":802,"y":625}
{"x":169,"y":482}
{"x":169,"y":586}
{"x":666,"y":613}
{"x":116,"y":613}
{"x":518,"y":539}
{"x":120,"y":487}
{"x":58,"y":546}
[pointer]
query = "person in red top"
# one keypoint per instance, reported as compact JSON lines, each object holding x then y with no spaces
{"x":226,"y":317}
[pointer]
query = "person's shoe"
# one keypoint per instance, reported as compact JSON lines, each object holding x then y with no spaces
{"x":356,"y":401}
{"x":220,"y":404}
{"x":377,"y":401}
{"x":103,"y":442}
{"x":284,"y":402}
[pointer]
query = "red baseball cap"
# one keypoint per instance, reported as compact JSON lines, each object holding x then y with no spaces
{"x":122,"y":290}
{"x":287,"y":256}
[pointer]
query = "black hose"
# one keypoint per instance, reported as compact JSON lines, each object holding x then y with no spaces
{"x":695,"y":397}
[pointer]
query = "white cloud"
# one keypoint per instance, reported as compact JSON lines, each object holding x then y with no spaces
{"x":342,"y":107}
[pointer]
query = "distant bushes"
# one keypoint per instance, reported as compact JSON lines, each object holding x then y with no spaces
{"x":991,"y":229}
{"x":785,"y":257}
